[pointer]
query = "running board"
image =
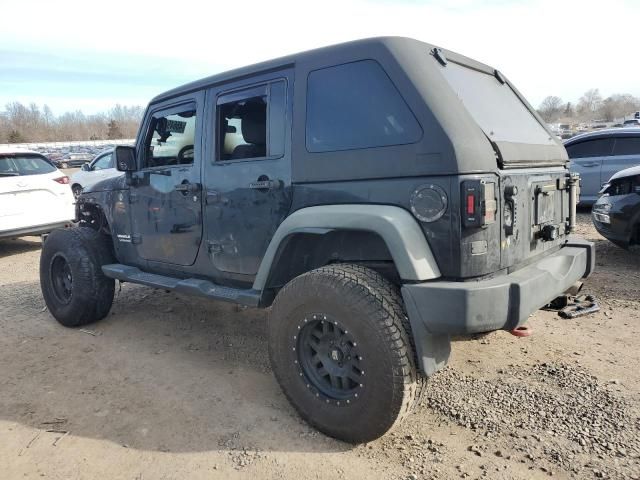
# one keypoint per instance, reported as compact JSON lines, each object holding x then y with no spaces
{"x":188,"y":286}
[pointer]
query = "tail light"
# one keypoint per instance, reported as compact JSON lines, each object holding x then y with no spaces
{"x":62,"y":180}
{"x":478,"y":203}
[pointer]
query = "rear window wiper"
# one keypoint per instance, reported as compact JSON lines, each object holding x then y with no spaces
{"x":9,"y":174}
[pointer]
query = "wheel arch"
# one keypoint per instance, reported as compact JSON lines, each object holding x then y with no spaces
{"x":388,"y":236}
{"x":91,"y":214}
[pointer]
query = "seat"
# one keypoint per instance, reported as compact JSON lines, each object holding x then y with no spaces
{"x":254,"y":133}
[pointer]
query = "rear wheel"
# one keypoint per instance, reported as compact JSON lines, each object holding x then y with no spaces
{"x":73,"y":286}
{"x":340,"y":348}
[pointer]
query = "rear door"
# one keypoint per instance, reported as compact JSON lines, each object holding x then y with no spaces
{"x":626,"y":153}
{"x":248,"y":171}
{"x":587,"y":157}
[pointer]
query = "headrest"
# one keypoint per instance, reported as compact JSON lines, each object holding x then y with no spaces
{"x":254,"y":126}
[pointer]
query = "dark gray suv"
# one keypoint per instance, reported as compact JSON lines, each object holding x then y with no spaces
{"x":379,"y":196}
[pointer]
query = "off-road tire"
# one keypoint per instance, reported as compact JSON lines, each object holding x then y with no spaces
{"x":89,"y":295}
{"x":370,"y":309}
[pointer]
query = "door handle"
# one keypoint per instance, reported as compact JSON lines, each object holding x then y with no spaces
{"x":590,"y":164}
{"x":187,"y":187}
{"x":265,"y":184}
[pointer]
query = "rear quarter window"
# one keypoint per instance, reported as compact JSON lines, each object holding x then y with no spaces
{"x":627,"y":146}
{"x":354,"y":106}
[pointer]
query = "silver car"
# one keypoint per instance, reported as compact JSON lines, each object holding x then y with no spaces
{"x":596,"y":156}
{"x":100,"y":168}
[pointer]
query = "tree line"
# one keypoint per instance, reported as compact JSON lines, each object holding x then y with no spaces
{"x":590,"y":107}
{"x":22,"y":124}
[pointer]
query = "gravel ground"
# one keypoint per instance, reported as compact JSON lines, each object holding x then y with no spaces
{"x":171,"y":387}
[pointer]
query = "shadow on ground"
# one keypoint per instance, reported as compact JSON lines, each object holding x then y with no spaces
{"x":163,"y":372}
{"x":20,"y":245}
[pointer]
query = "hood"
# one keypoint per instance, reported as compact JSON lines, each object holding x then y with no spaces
{"x":116,"y":183}
{"x":627,"y":172}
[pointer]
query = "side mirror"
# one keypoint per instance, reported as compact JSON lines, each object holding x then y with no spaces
{"x":125,"y":158}
{"x":85,"y":167}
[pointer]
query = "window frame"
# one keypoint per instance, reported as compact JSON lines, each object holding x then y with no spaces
{"x":242,"y":93}
{"x":164,"y":111}
{"x":395,"y":87}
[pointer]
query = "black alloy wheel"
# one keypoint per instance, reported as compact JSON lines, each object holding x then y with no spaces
{"x":328,"y":358}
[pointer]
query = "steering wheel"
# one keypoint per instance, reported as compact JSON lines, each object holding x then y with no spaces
{"x":185,"y":155}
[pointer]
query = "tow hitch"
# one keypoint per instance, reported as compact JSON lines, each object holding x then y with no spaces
{"x":572,"y":306}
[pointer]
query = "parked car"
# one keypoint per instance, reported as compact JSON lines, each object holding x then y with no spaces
{"x":35,"y":197}
{"x":100,"y":168}
{"x":355,"y":201}
{"x":596,"y":156}
{"x":616,"y":214}
{"x":73,"y":160}
{"x":633,"y":122}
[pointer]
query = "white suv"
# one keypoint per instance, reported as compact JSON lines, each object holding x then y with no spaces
{"x":35,"y":197}
{"x":101,"y":168}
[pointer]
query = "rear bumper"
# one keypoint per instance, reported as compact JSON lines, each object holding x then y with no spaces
{"x":34,"y":230}
{"x":441,"y":308}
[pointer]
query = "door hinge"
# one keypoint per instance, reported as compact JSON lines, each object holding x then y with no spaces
{"x":136,"y":239}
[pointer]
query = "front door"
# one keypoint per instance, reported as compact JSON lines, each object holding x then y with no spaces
{"x":166,"y":198}
{"x":248,"y":174}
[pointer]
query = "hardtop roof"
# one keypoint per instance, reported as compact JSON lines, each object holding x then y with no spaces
{"x":316,"y":54}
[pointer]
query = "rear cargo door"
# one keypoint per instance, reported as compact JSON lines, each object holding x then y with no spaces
{"x":531,"y":196}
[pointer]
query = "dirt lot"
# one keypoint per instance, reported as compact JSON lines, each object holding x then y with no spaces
{"x":170,"y":387}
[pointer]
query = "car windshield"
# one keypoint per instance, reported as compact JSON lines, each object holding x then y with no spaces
{"x":24,"y":164}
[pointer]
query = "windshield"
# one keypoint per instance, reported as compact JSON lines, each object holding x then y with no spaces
{"x":495,"y":106}
{"x":24,"y":164}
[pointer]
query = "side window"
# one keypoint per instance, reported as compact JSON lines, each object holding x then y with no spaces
{"x":171,"y":138}
{"x":103,"y":162}
{"x":601,"y":147}
{"x":356,"y":105}
{"x":627,"y":146}
{"x":251,"y":123}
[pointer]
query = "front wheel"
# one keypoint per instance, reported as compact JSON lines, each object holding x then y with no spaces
{"x":340,"y":347}
{"x":73,"y":286}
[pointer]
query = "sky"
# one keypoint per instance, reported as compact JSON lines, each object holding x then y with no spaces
{"x":84,"y":55}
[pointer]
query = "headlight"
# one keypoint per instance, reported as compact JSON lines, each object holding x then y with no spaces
{"x":602,"y":207}
{"x":602,"y":217}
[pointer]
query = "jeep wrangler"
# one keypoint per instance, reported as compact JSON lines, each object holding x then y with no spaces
{"x":378,"y":196}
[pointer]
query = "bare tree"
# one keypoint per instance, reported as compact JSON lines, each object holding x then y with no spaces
{"x":19,"y":123}
{"x":551,"y":108}
{"x":590,"y":102}
{"x":617,"y":106}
